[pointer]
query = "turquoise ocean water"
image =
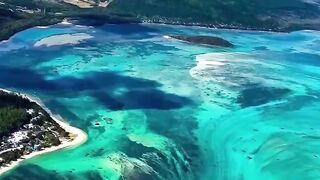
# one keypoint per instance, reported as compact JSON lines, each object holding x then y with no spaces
{"x":179,"y":111}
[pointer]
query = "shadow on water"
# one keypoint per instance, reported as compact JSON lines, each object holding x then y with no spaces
{"x":34,"y":172}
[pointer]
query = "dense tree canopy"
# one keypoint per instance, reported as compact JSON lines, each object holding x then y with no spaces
{"x":12,"y":118}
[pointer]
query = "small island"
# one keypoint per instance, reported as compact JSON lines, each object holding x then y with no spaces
{"x":204,"y":40}
{"x":27,"y":130}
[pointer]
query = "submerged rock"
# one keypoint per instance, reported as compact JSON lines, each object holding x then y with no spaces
{"x":205,"y":40}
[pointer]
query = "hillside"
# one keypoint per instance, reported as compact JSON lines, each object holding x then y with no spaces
{"x":275,"y":15}
{"x":17,"y":15}
{"x":254,"y":14}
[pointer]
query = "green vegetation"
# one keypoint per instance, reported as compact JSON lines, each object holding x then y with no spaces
{"x":51,"y":140}
{"x":17,"y":15}
{"x":10,"y":156}
{"x":253,"y":14}
{"x":12,"y":112}
{"x":12,"y":27}
{"x":45,"y":13}
{"x":11,"y":119}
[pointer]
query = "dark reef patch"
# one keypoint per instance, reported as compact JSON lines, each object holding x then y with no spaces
{"x":258,"y":95}
{"x":261,"y":48}
{"x":130,"y":31}
{"x":103,"y":80}
{"x":108,"y":101}
{"x":178,"y":126}
{"x":150,"y":98}
{"x":126,"y":29}
{"x":23,"y":78}
{"x":141,"y":99}
{"x":58,"y":108}
{"x":140,"y":93}
{"x":35,"y":172}
{"x":204,"y":40}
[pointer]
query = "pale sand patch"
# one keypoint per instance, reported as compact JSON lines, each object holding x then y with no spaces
{"x":209,"y":60}
{"x":65,"y":22}
{"x":80,"y":3}
{"x":78,"y":136}
{"x":88,"y":3}
{"x":63,"y":39}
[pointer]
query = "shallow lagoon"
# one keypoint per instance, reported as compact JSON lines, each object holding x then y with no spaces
{"x":179,"y":111}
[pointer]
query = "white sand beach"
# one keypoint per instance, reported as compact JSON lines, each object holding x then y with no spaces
{"x":78,"y":136}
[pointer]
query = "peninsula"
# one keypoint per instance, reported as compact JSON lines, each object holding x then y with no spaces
{"x":27,"y":130}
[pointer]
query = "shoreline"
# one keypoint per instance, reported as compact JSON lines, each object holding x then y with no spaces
{"x":186,"y":24}
{"x":77,"y":135}
{"x":66,"y":22}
